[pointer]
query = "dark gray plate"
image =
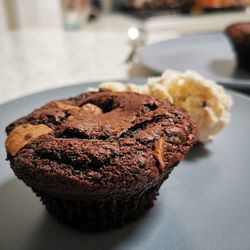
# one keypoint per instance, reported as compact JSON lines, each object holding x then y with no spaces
{"x":205,"y":204}
{"x":209,"y":54}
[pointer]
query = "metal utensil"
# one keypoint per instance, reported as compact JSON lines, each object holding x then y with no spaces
{"x":137,"y":38}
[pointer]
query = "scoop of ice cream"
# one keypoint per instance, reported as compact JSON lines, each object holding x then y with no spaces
{"x":157,"y":89}
{"x":113,"y":86}
{"x":141,"y":89}
{"x":154,"y":89}
{"x":205,"y":101}
{"x":120,"y":87}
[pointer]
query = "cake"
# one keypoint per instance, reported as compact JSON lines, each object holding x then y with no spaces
{"x":239,"y":35}
{"x":97,"y":160}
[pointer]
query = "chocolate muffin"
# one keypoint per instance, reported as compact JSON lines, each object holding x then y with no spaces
{"x":239,"y":35}
{"x":97,"y":160}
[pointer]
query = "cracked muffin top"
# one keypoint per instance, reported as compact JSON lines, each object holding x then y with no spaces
{"x":99,"y":141}
{"x":239,"y":32}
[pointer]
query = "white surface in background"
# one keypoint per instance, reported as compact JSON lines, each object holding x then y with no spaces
{"x":41,"y":56}
{"x":33,"y":14}
{"x":39,"y":14}
{"x":34,"y":60}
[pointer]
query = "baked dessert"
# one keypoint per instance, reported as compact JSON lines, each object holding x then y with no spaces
{"x":97,"y":160}
{"x":239,"y":35}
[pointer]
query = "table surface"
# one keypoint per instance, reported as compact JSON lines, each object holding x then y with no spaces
{"x":34,"y":59}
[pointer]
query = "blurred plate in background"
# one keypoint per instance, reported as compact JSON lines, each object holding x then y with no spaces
{"x":209,"y":54}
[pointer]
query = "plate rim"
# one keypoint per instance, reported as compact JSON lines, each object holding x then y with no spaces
{"x":137,"y":81}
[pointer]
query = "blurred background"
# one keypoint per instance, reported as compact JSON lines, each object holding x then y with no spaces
{"x":46,"y":44}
